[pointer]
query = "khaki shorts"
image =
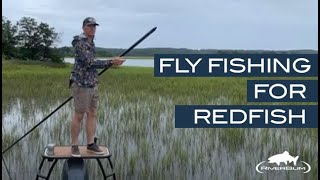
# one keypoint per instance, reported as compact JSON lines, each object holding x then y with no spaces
{"x":84,"y":98}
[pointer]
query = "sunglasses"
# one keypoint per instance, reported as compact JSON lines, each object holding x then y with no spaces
{"x":91,"y":25}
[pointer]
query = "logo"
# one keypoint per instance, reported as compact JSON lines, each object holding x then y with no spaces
{"x":280,"y":159}
{"x":91,"y":19}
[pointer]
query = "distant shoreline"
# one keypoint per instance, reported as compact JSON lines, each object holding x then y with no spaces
{"x":148,"y":53}
{"x":127,"y":57}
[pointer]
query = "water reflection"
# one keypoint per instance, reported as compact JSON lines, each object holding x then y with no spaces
{"x":145,"y":145}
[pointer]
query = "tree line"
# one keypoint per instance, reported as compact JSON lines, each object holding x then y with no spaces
{"x":109,"y":52}
{"x":29,"y":40}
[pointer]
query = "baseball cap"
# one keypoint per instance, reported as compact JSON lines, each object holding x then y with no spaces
{"x":89,"y":20}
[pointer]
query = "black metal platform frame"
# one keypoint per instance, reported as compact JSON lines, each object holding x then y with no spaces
{"x":55,"y":160}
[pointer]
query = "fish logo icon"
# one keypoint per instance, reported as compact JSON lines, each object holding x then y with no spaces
{"x":285,"y":157}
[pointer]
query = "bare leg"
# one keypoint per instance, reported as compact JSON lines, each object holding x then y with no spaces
{"x":91,"y":125}
{"x":75,"y":127}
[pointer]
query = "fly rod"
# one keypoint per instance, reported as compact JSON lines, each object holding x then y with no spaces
{"x":123,"y":54}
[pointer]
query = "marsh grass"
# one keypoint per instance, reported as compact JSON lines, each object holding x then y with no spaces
{"x":135,"y":119}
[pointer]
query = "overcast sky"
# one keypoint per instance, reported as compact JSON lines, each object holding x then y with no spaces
{"x":196,"y":24}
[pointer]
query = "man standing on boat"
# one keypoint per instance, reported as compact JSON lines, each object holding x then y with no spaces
{"x":83,"y":82}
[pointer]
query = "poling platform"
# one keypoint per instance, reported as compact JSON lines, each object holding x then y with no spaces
{"x":74,"y":166}
{"x":64,"y":152}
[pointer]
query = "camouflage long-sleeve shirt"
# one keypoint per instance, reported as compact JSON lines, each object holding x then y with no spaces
{"x":85,"y":67}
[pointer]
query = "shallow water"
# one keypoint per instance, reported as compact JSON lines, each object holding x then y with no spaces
{"x":145,"y":145}
{"x":128,"y":62}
